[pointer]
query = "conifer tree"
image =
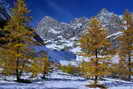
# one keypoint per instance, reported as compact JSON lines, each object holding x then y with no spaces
{"x":70,"y":69}
{"x":95,"y":45}
{"x":40,"y":65}
{"x":126,"y":42}
{"x":15,"y":54}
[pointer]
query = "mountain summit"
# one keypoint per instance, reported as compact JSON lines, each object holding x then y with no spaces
{"x":64,"y":36}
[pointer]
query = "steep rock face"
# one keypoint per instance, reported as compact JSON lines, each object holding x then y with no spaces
{"x":51,"y":29}
{"x":61,"y":35}
{"x":64,"y":36}
{"x":110,"y":20}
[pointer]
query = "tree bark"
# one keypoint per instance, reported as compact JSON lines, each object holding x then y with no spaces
{"x":17,"y":70}
{"x":129,"y":66}
{"x":96,"y":63}
{"x":17,"y":67}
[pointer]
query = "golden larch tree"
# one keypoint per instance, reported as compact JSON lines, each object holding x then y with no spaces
{"x":40,"y":65}
{"x":126,"y":43}
{"x":15,"y":53}
{"x":96,"y":47}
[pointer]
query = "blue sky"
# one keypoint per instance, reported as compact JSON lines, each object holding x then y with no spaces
{"x":66,"y":10}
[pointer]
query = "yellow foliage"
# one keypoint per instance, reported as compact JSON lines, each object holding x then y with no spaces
{"x":126,"y":42}
{"x":15,"y":52}
{"x":40,"y":66}
{"x":94,"y":43}
{"x":70,"y":69}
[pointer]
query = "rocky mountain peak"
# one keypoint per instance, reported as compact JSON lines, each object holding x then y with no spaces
{"x":78,"y":20}
{"x":47,"y":20}
{"x":104,"y":11}
{"x":110,"y":20}
{"x":61,"y":35}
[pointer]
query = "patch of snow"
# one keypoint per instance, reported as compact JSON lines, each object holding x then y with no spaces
{"x":114,"y":34}
{"x":54,"y":31}
{"x":115,"y":59}
{"x":64,"y":62}
{"x":76,"y":50}
{"x":61,"y":80}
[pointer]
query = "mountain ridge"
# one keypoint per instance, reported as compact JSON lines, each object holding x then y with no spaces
{"x":64,"y":36}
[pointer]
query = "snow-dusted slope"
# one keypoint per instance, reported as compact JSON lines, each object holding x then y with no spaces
{"x":61,"y":80}
{"x":61,"y":36}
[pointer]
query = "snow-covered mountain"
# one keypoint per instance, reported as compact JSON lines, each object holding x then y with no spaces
{"x":110,"y":20}
{"x":64,"y":36}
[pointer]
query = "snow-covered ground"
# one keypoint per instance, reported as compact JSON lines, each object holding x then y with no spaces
{"x":60,"y":80}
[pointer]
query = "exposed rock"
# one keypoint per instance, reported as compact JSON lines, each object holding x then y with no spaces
{"x":60,"y":35}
